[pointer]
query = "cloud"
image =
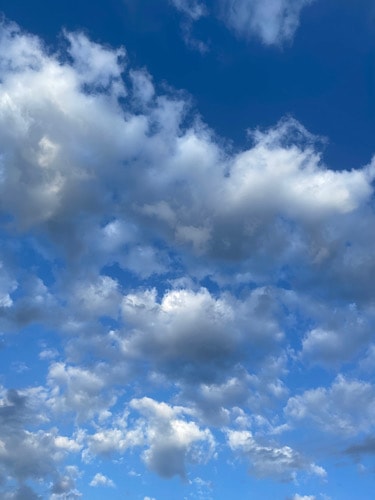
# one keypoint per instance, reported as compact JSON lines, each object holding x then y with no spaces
{"x":99,"y":296}
{"x":341,"y":333}
{"x":256,"y":389}
{"x":191,"y":8}
{"x":26,"y":453}
{"x":274,"y":199}
{"x":303,"y":497}
{"x":366,"y":447}
{"x":107,"y":184}
{"x":188,"y":335}
{"x":273,"y":21}
{"x":101,"y":480}
{"x":78,"y":390}
{"x":193,"y":11}
{"x":24,"y":492}
{"x":280,"y":463}
{"x":347,"y":407}
{"x":367,"y":364}
{"x":95,"y":65}
{"x":171,"y":441}
{"x":7,"y":286}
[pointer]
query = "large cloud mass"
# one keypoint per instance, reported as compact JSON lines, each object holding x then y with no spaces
{"x":164,"y":259}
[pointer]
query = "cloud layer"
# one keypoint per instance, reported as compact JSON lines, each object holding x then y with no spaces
{"x":185,"y":281}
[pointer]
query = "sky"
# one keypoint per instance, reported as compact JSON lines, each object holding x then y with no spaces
{"x":187,"y":304}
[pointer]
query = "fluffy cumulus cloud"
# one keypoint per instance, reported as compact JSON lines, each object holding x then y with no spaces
{"x":170,"y":440}
{"x":101,"y":480}
{"x":347,"y":407}
{"x":31,"y":449}
{"x":165,"y":261}
{"x":191,"y":334}
{"x":78,"y":390}
{"x":178,"y":180}
{"x":280,"y":462}
{"x":274,"y":22}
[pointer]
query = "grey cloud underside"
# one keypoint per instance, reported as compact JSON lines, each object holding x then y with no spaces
{"x":27,"y":449}
{"x":263,"y":261}
{"x":366,"y":447}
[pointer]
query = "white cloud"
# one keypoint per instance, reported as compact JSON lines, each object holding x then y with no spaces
{"x":173,"y":441}
{"x":191,"y":8}
{"x":281,"y":463}
{"x":106,"y":442}
{"x":347,"y":407}
{"x":94,"y":64}
{"x":24,"y":492}
{"x":367,"y":364}
{"x":79,"y":390}
{"x":47,"y":354}
{"x":341,"y":334}
{"x":217,"y":403}
{"x":201,"y":331}
{"x":303,"y":497}
{"x":101,"y":480}
{"x":273,"y":21}
{"x":291,"y":179}
{"x":7,"y":286}
{"x":67,"y":151}
{"x":98,"y":296}
{"x":26,"y":453}
{"x":96,"y":180}
{"x":170,"y":440}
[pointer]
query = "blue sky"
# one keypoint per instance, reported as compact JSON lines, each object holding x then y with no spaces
{"x":186,"y":268}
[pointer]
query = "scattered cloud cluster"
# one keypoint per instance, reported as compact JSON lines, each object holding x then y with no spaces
{"x":164,"y":259}
{"x":30,"y":448}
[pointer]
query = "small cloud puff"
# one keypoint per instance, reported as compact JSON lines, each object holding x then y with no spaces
{"x":101,"y":480}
